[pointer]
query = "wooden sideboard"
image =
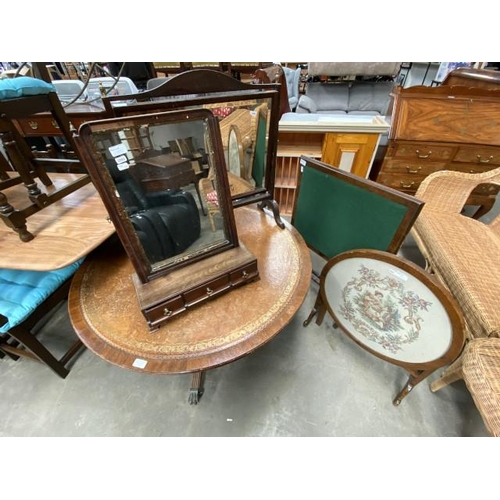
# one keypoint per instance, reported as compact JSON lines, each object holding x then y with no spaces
{"x":443,"y":128}
{"x":346,"y":142}
{"x":44,"y":125}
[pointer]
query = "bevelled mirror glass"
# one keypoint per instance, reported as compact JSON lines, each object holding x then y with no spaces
{"x":162,"y":177}
{"x":248,"y":117}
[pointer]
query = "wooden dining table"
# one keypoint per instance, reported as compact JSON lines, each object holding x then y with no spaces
{"x":105,"y":313}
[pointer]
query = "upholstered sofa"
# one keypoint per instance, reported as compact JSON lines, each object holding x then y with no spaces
{"x":349,"y":98}
{"x":346,"y":97}
{"x":464,"y":253}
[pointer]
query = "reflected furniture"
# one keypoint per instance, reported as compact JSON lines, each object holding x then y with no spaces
{"x":233,"y":325}
{"x":26,"y":297}
{"x":214,"y":90}
{"x":462,"y":252}
{"x":209,"y":194}
{"x":443,"y":128}
{"x":165,"y":171}
{"x":165,"y":218}
{"x":346,"y":142}
{"x":393,"y":309}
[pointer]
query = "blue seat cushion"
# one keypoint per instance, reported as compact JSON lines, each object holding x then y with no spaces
{"x":23,"y":86}
{"x":21,"y":292}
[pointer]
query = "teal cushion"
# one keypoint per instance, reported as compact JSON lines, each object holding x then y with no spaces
{"x":11,"y":88}
{"x":21,"y":292}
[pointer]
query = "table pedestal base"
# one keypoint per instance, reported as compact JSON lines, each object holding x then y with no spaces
{"x":196,"y":391}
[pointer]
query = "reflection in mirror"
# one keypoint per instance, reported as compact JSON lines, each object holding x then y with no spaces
{"x":252,"y":109}
{"x":164,"y":176}
{"x":244,"y":127}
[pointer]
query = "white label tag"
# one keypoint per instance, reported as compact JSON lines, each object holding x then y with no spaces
{"x":139,"y":363}
{"x":121,"y":159}
{"x":122,"y":166}
{"x":117,"y":150}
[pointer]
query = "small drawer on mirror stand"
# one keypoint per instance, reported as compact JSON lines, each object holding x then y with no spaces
{"x":207,"y":290}
{"x":166,"y":310}
{"x":245,"y":274}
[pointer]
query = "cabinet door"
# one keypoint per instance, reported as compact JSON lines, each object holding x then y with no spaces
{"x":350,"y":152}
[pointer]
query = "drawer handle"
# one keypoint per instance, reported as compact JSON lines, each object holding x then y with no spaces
{"x":209,"y":291}
{"x":406,"y":185}
{"x":33,"y":125}
{"x":413,"y":170}
{"x":244,"y":275}
{"x":167,"y":312}
{"x":55,"y":124}
{"x":472,"y":171}
{"x":417,"y":152}
{"x":484,"y":160}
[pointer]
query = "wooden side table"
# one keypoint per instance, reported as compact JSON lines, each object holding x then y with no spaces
{"x":393,"y":309}
{"x":104,"y":310}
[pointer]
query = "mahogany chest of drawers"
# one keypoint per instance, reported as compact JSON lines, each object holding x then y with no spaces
{"x":443,"y":128}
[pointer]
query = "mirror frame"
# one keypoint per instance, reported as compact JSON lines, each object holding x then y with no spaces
{"x":205,"y":86}
{"x":101,"y":177}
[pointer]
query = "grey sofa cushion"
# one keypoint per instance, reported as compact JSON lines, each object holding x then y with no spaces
{"x":329,"y":96}
{"x":370,"y":97}
{"x":307,"y":105}
{"x":358,"y":97}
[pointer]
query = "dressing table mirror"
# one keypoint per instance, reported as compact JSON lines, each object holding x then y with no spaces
{"x":248,"y":116}
{"x":161,"y":201}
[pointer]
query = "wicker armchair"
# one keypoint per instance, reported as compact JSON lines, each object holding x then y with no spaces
{"x":479,"y":368}
{"x":464,"y":253}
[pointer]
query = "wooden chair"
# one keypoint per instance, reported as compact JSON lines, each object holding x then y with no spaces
{"x":26,"y":165}
{"x":26,"y":297}
{"x":4,"y":169}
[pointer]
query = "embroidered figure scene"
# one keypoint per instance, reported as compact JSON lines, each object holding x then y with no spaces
{"x":382,"y":310}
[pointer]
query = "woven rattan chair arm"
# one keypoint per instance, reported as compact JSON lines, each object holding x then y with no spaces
{"x":449,"y":190}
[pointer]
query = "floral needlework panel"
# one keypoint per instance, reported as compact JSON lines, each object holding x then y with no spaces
{"x":388,"y":310}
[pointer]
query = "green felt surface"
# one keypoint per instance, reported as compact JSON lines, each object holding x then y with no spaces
{"x":334,"y":216}
{"x":259,"y":159}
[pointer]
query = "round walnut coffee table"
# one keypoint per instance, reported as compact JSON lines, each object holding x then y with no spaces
{"x":105,"y":313}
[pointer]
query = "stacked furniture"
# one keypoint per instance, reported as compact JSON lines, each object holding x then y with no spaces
{"x":24,"y":98}
{"x":464,"y":254}
{"x":443,"y":128}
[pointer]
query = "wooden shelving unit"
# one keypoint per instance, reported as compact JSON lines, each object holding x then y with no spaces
{"x":324,"y":140}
